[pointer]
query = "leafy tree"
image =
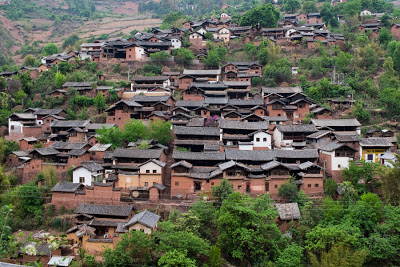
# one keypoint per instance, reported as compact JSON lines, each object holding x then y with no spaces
{"x":209,"y":36}
{"x":247,"y":230}
{"x":366,"y":172}
{"x":214,"y":257}
{"x":309,"y":7}
{"x":188,"y":222}
{"x":134,"y":248}
{"x":70,"y":41}
{"x":212,"y":59}
{"x":330,"y":187}
{"x":391,"y":183}
{"x":183,"y":56}
{"x":161,"y":131}
{"x":30,"y":200}
{"x":112,"y":136}
{"x":328,"y":15}
{"x":343,"y":61}
{"x":175,"y":258}
{"x":59,"y":80}
{"x":100,"y":102}
{"x":372,"y":205}
{"x":265,"y":15}
{"x":6,"y":147}
{"x":134,"y":130}
{"x":206,"y":212}
{"x":361,"y":114}
{"x":384,"y":37}
{"x":352,"y":8}
{"x":29,"y":61}
{"x":50,"y":49}
{"x":292,"y":6}
{"x":291,"y":256}
{"x":222,"y":191}
{"x":160,"y":56}
{"x":339,"y":255}
{"x":288,"y":191}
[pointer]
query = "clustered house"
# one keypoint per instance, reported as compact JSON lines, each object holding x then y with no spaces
{"x":223,"y":126}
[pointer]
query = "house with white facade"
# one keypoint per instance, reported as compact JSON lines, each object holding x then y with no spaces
{"x":88,"y":173}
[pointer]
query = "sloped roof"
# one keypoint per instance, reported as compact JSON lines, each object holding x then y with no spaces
{"x":249,"y":155}
{"x":243,"y":125}
{"x":296,"y":154}
{"x":182,"y":163}
{"x":45,"y":151}
{"x":149,"y":78}
{"x":308,"y":128}
{"x":196,"y":131}
{"x":67,"y":145}
{"x":92,"y":166}
{"x":107,"y":210}
{"x":201,"y":72}
{"x":184,"y":155}
{"x":145,"y":218}
{"x":288,"y":211}
{"x":336,"y":122}
{"x":375,"y":142}
{"x":144,"y":98}
{"x":137,"y":153}
{"x":66,"y":187}
{"x":70,"y":124}
{"x":100,"y":147}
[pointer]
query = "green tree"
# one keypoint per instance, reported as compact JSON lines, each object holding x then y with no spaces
{"x":247,"y":230}
{"x":50,"y":49}
{"x":361,"y":114}
{"x":309,"y":7}
{"x":112,"y":136}
{"x":30,"y":200}
{"x":161,"y":131}
{"x":352,"y":8}
{"x":339,"y":255}
{"x":288,"y":191}
{"x":292,"y":6}
{"x":291,"y":256}
{"x":221,"y":191}
{"x":175,"y":258}
{"x":183,"y":55}
{"x":134,"y":248}
{"x":391,"y":183}
{"x":134,"y":130}
{"x":384,"y":37}
{"x":362,"y":171}
{"x":100,"y":102}
{"x":59,"y":80}
{"x":70,"y":41}
{"x":209,"y":36}
{"x":265,"y":15}
{"x":29,"y":61}
{"x":160,"y":56}
{"x":214,"y":257}
{"x":330,"y":187}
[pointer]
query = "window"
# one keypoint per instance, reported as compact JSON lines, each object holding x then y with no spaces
{"x":316,"y":185}
{"x":309,"y":185}
{"x":176,"y":183}
{"x":212,"y":183}
{"x":264,"y":139}
{"x":339,"y":166}
{"x":81,"y":179}
{"x":370,"y":157}
{"x":239,"y":187}
{"x":147,"y":171}
{"x":257,"y":139}
{"x":276,"y":186}
{"x":146,"y":184}
{"x":154,"y":171}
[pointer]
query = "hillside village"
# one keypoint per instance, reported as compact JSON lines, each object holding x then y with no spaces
{"x":163,"y":141}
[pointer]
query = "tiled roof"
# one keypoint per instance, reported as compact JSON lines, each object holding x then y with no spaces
{"x":296,"y":154}
{"x":318,"y":134}
{"x":183,"y":155}
{"x":137,"y":153}
{"x":149,"y":78}
{"x":336,"y":122}
{"x":95,"y":126}
{"x":105,"y":210}
{"x":67,"y":145}
{"x":78,"y":84}
{"x":196,"y":131}
{"x":296,"y":128}
{"x":248,"y":102}
{"x":100,"y":147}
{"x":201,"y":72}
{"x":182,"y":163}
{"x":48,"y":111}
{"x":375,"y":142}
{"x":243,"y":125}
{"x":145,"y":218}
{"x":70,"y":124}
{"x":144,"y":98}
{"x":288,"y":211}
{"x":92,"y":166}
{"x":77,"y":152}
{"x":249,"y":155}
{"x":66,"y":187}
{"x":45,"y":151}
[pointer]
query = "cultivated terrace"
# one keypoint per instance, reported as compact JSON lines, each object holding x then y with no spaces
{"x":232,"y":135}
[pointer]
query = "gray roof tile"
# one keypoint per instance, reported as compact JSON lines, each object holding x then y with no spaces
{"x":105,"y":210}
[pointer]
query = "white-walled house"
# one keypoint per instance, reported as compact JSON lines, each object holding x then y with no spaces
{"x":88,"y":173}
{"x":261,"y":140}
{"x":365,"y":13}
{"x":387,"y":159}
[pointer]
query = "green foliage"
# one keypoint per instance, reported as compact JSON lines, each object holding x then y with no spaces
{"x":59,"y":80}
{"x":291,"y":256}
{"x":29,"y":61}
{"x":159,"y":56}
{"x":100,"y":102}
{"x":113,"y":136}
{"x":183,"y":55}
{"x":176,"y":258}
{"x":161,"y":131}
{"x":222,"y":191}
{"x":288,"y":191}
{"x":70,"y":41}
{"x":50,"y":49}
{"x":135,"y":247}
{"x":134,"y":130}
{"x":214,"y":257}
{"x":266,"y":15}
{"x":330,"y":187}
{"x":391,"y":183}
{"x":361,"y":114}
{"x":384,"y":37}
{"x":280,"y":70}
{"x":309,"y":7}
{"x":339,"y":255}
{"x":30,"y":201}
{"x":291,"y":6}
{"x":6,"y":147}
{"x":365,"y":171}
{"x":247,"y":230}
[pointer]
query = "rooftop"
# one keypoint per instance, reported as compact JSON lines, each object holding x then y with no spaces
{"x":105,"y":210}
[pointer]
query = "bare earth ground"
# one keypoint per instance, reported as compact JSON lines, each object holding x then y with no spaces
{"x":125,"y":19}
